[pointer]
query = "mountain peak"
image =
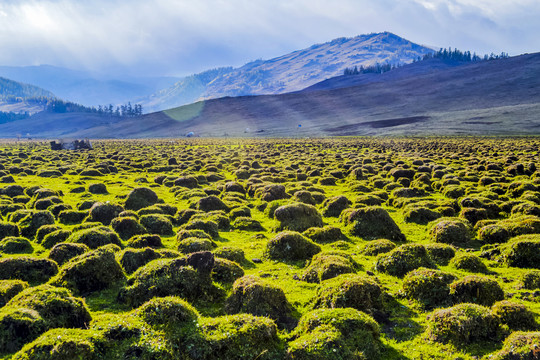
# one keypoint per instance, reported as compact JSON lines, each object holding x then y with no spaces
{"x":290,"y":72}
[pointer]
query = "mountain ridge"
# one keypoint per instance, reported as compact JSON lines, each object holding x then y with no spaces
{"x":500,"y":97}
{"x":290,"y":72}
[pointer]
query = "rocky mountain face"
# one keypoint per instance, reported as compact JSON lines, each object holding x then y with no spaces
{"x":290,"y":72}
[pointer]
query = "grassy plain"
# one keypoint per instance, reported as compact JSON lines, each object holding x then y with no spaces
{"x":490,"y":186}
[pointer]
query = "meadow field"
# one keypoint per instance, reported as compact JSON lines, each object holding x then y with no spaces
{"x":332,"y":248}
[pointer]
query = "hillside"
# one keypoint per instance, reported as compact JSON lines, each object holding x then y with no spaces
{"x":290,"y":72}
{"x":17,"y":97}
{"x":86,"y":88}
{"x":424,"y":98}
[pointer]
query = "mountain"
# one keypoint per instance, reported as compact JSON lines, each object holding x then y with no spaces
{"x":19,"y":97}
{"x":290,"y":72}
{"x":86,"y":88}
{"x":432,"y":97}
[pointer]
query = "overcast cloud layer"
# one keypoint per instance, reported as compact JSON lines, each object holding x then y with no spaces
{"x":180,"y":37}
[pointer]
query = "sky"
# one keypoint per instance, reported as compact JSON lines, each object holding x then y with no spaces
{"x":182,"y":37}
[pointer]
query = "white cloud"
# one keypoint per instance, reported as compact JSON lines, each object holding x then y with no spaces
{"x":185,"y":36}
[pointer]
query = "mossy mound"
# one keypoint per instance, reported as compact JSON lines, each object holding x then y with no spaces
{"x":193,"y":244}
{"x":32,"y":270}
{"x":55,"y":305}
{"x":127,"y":227}
{"x":16,"y":245}
{"x":333,"y":207}
{"x":142,"y":241}
{"x":325,"y":266}
{"x":44,"y":230}
{"x":10,"y":288}
{"x":522,"y":251}
{"x":211,"y":203}
{"x":476,"y":289}
{"x":63,"y":252}
{"x":226,"y":271}
{"x":30,"y":224}
{"x":493,"y":234}
{"x":429,"y":287}
{"x":55,"y":237}
{"x":440,"y":253}
{"x":515,"y":316}
{"x":376,"y":247}
{"x":8,"y":229}
{"x":167,"y":311}
{"x":104,"y":212}
{"x":469,"y":262}
{"x":95,"y":237}
{"x":403,"y":259}
{"x":157,"y":224}
{"x":140,"y":198}
{"x":253,"y":295}
{"x":18,"y":327}
{"x":349,"y":291}
{"x":298,"y":217}
{"x":209,"y":227}
{"x":371,"y":223}
{"x":247,"y":224}
{"x":324,"y":235}
{"x":241,"y":336}
{"x":291,"y":246}
{"x":531,"y":279}
{"x":463,"y":324}
{"x":132,"y":259}
{"x":327,"y":334}
{"x":165,"y":277}
{"x":64,"y":344}
{"x":420,"y":214}
{"x":92,"y":271}
{"x":520,"y":345}
{"x":450,"y":231}
{"x":231,"y":253}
